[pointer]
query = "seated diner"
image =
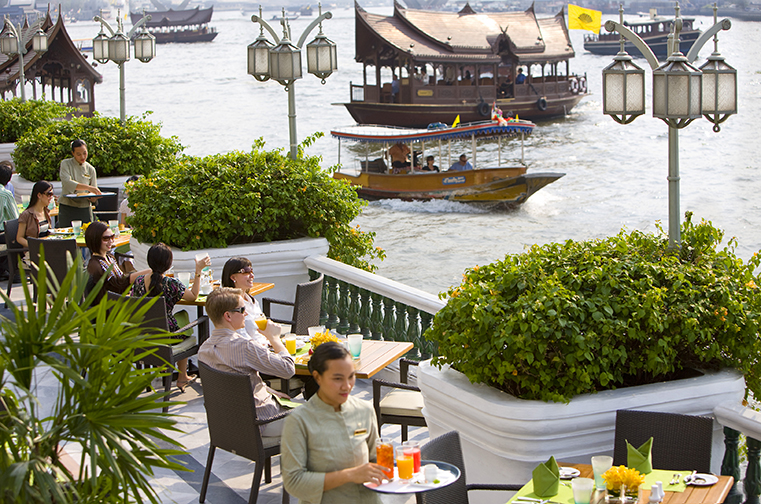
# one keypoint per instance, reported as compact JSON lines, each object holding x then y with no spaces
{"x":35,"y":220}
{"x":100,"y":240}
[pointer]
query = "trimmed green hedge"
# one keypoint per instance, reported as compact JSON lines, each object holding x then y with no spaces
{"x":136,"y":147}
{"x":17,"y":117}
{"x":259,"y":196}
{"x":571,"y":318}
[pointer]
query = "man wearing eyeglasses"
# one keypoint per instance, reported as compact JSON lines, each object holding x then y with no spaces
{"x":227,"y":350}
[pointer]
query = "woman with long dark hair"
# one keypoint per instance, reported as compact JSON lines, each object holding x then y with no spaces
{"x":158,"y":284}
{"x":35,"y":220}
{"x":100,"y":240}
{"x":328,"y":443}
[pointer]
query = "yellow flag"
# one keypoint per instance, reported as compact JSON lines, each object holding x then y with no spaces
{"x":580,"y":18}
{"x":456,"y":121}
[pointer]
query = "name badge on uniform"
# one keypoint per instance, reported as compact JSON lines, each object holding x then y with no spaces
{"x":359,"y":432}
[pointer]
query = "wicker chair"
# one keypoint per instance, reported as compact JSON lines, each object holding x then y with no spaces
{"x":447,"y":448}
{"x":403,"y":405}
{"x":163,"y":355}
{"x":14,"y":250}
{"x":55,"y":255}
{"x":306,"y":306}
{"x":679,"y":441}
{"x":234,"y":427}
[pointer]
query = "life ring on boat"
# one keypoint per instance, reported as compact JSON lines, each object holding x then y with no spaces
{"x":573,"y":86}
{"x":541,"y":104}
{"x":583,"y":84}
{"x":483,"y":109}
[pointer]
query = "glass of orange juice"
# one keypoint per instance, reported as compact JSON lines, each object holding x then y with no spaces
{"x":290,"y":343}
{"x":405,"y":464}
{"x":261,"y":323}
{"x":385,"y":452}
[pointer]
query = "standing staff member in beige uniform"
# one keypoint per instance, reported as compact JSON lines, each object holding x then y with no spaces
{"x":76,"y":175}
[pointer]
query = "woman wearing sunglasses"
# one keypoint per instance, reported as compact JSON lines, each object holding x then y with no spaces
{"x":157,"y":284}
{"x":100,"y":240}
{"x":35,"y":220}
{"x":239,"y":274}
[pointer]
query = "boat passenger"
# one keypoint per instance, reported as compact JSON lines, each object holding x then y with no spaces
{"x":399,"y":154}
{"x":328,"y":444}
{"x":394,"y":88}
{"x":520,"y":78}
{"x":461,"y":165}
{"x":429,"y":166}
{"x":77,"y":175}
{"x":226,"y":350}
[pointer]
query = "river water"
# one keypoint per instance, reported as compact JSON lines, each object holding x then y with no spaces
{"x":615,"y":175}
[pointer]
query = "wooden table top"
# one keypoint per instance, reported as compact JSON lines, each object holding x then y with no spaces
{"x":375,"y":356}
{"x":714,"y":494}
{"x":258,"y":288}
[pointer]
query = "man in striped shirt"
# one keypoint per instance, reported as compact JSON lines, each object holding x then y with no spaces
{"x":226,"y":350}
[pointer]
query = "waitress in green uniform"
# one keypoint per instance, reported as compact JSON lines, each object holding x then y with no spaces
{"x":77,"y":175}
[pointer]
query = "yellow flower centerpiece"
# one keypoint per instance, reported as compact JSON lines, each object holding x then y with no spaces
{"x":622,"y":475}
{"x":320,"y":338}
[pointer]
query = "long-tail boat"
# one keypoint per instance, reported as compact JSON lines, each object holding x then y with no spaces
{"x":182,"y":26}
{"x":492,"y":187}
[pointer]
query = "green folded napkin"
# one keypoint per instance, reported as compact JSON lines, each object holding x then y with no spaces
{"x":546,"y":478}
{"x":640,"y":458}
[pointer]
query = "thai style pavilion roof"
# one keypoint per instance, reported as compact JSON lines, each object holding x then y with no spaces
{"x":61,"y":52}
{"x":435,"y":36}
{"x":172,"y":17}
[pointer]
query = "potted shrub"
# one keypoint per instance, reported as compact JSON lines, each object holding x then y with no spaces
{"x":100,"y":405}
{"x":260,"y":204}
{"x":559,"y":337}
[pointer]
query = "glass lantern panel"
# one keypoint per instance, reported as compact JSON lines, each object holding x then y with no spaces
{"x":613,"y":95}
{"x":678,"y":99}
{"x":312,"y":58}
{"x":728,"y":92}
{"x":100,"y":48}
{"x":710,"y":98}
{"x":635,"y":92}
{"x":145,"y":48}
{"x":40,"y":42}
{"x":695,"y":95}
{"x":659,"y":95}
{"x":262,"y":60}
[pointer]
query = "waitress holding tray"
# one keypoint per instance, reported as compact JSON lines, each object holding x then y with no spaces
{"x":76,"y":175}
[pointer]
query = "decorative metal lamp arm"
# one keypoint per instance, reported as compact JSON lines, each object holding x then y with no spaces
{"x":104,"y":24}
{"x":724,"y":24}
{"x":266,"y":25}
{"x":143,"y":20}
{"x":635,"y":39}
{"x":312,"y":26}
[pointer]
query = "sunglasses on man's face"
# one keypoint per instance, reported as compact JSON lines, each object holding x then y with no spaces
{"x":240,"y":309}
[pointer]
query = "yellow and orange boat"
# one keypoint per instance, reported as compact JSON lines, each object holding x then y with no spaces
{"x":500,"y":187}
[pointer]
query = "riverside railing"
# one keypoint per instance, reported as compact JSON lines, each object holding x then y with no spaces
{"x":355,"y":301}
{"x":738,"y":419}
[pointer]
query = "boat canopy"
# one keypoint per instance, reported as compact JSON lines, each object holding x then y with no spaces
{"x":389,"y":134}
{"x":173,"y":17}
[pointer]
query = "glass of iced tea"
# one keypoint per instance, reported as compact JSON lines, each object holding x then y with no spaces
{"x":385,"y":452}
{"x":413,"y":448}
{"x":405,"y":464}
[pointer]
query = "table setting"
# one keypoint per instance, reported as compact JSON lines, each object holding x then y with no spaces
{"x":635,"y":483}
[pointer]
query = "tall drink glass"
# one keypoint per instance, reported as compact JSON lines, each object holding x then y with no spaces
{"x":600,"y":464}
{"x":385,"y":454}
{"x":413,"y":448}
{"x":405,"y":464}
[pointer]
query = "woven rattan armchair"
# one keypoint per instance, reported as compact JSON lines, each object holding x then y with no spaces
{"x":679,"y":441}
{"x":167,"y":355}
{"x":447,"y":448}
{"x":306,"y":306}
{"x":403,"y":405}
{"x":234,"y":426}
{"x":55,"y":256}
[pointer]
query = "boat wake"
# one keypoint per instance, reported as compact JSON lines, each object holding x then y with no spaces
{"x":430,"y":206}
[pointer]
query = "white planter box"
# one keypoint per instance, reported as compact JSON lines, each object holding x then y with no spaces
{"x":504,"y":438}
{"x":279,"y":262}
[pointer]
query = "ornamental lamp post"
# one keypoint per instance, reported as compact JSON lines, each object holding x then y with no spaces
{"x":11,"y":44}
{"x":681,"y":92}
{"x":116,"y":49}
{"x":282,"y":62}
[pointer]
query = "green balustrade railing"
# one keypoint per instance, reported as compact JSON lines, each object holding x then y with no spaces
{"x":737,"y":419}
{"x":355,"y":301}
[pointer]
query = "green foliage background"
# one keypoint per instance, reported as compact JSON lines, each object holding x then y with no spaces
{"x":577,"y":317}
{"x":136,"y":147}
{"x":259,"y":196}
{"x":17,"y":117}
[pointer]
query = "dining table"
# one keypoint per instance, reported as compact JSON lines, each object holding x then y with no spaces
{"x":375,"y":356}
{"x":121,"y":239}
{"x":691,"y":494}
